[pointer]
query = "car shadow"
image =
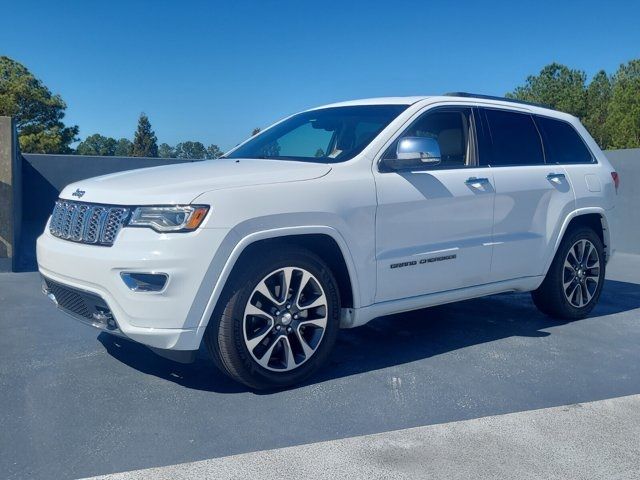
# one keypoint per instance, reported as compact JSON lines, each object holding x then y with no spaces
{"x":202,"y":374}
{"x":391,"y":340}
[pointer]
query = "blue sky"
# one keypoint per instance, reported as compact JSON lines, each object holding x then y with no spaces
{"x":212,"y":71}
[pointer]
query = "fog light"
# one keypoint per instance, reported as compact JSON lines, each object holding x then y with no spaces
{"x":145,"y":282}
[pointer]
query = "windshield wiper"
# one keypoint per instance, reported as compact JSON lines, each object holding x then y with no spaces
{"x":280,"y":157}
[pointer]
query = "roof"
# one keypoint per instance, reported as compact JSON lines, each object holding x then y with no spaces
{"x":479,"y":96}
{"x":376,"y":101}
{"x":478,"y":99}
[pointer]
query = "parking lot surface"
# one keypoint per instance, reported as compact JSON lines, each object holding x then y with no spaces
{"x":77,"y":403}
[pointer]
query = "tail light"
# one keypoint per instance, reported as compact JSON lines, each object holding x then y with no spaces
{"x":616,"y":180}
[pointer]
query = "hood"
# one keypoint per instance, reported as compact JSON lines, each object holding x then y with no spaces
{"x":181,"y":183}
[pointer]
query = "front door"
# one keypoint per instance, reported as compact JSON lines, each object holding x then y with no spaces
{"x":434,"y":224}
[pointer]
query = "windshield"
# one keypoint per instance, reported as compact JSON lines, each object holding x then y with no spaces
{"x":328,"y":135}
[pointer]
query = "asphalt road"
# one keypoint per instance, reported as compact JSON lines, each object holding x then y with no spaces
{"x":77,"y":403}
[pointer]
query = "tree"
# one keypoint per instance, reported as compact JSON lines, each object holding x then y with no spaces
{"x":166,"y":151}
{"x":124,"y":148}
{"x":213,"y":152}
{"x":255,"y":131}
{"x":193,"y":150}
{"x":145,"y":141}
{"x":189,"y":150}
{"x":623,"y":122}
{"x":37,"y":112}
{"x":609,"y":107}
{"x":271,"y":149}
{"x":557,"y":86}
{"x":96,"y":144}
{"x":598,"y":97}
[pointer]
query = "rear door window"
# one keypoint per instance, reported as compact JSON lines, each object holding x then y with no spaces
{"x":562,"y":143}
{"x":512,"y":139}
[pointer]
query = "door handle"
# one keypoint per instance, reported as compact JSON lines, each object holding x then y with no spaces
{"x":476,"y":181}
{"x":555,"y":177}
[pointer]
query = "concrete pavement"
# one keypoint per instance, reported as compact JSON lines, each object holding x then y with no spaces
{"x":590,"y":441}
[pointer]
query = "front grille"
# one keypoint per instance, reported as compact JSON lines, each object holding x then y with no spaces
{"x":87,"y":223}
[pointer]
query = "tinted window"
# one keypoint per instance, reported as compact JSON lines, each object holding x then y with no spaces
{"x":562,"y":142}
{"x":304,"y":141}
{"x":513,"y":139}
{"x":452,"y":128}
{"x":326,"y":135}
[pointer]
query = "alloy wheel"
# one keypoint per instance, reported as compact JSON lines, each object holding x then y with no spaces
{"x":581,"y":273}
{"x":285,"y":319}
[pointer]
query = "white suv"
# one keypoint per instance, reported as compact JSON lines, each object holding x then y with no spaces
{"x":333,"y":217}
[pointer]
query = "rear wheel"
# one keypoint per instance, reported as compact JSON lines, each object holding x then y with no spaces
{"x":277,"y":320}
{"x":574,"y":281}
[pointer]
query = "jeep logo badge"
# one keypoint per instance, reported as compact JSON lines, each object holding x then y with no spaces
{"x":78,"y":193}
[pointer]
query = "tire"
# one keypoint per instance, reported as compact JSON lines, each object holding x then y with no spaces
{"x":250,"y":323}
{"x":570,"y":291}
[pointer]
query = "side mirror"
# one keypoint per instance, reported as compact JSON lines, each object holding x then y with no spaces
{"x":424,"y":149}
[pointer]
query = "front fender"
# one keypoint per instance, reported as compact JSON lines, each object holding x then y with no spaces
{"x":236,"y":241}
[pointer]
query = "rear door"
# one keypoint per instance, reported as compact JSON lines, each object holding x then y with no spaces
{"x":532,"y":197}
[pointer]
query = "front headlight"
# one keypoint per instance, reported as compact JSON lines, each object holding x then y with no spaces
{"x":170,"y":218}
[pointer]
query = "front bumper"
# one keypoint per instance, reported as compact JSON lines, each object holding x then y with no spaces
{"x":169,"y":319}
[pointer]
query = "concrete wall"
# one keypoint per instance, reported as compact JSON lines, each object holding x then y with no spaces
{"x":44,"y":176}
{"x":10,"y":194}
{"x":627,"y":211}
{"x":30,"y":184}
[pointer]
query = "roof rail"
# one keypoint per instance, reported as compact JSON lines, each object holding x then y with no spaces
{"x":491,"y":97}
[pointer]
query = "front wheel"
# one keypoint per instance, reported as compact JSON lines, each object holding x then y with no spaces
{"x":278,"y":319}
{"x":574,"y":281}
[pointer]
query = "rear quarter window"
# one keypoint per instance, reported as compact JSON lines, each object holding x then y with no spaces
{"x":562,"y":143}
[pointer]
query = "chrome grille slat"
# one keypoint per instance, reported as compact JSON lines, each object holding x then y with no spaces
{"x":92,"y":233}
{"x":68,"y":213}
{"x":87,"y":223}
{"x":78,"y":223}
{"x":112,"y":225}
{"x":54,"y":227}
